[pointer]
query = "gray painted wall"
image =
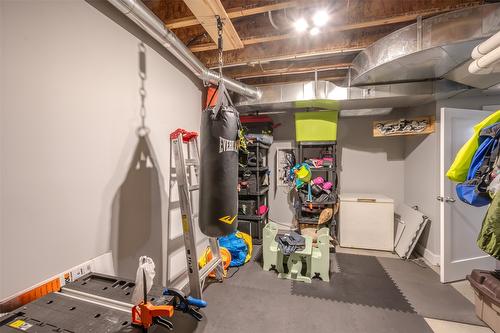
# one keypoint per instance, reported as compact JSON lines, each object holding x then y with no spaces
{"x":69,"y":111}
{"x":422,"y":154}
{"x":421,"y":174}
{"x":368,"y":164}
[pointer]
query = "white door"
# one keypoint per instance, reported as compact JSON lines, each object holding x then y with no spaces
{"x":460,"y":223}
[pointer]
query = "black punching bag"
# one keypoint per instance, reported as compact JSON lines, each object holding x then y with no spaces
{"x":219,"y":167}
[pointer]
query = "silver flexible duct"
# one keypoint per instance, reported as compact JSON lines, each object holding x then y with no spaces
{"x":143,"y":17}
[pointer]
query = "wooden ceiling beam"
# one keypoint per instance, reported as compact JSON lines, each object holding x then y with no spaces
{"x":206,"y":12}
{"x":332,"y":65}
{"x":234,"y":13}
{"x":182,"y":22}
{"x":283,"y":67}
{"x":294,"y":71}
{"x":330,"y":50}
{"x":342,"y":43}
{"x":408,"y":17}
{"x":264,"y":81}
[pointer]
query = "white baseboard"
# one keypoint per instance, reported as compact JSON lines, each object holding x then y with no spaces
{"x":101,"y":264}
{"x":429,"y":256}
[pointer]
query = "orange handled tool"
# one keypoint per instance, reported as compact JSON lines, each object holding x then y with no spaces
{"x":146,"y":314}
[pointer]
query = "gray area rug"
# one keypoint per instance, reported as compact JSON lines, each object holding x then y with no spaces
{"x":428,"y":296}
{"x":253,"y":300}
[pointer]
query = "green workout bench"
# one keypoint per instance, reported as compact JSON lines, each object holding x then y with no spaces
{"x":317,"y":258}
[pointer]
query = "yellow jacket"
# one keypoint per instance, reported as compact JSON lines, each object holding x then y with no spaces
{"x":458,"y":170}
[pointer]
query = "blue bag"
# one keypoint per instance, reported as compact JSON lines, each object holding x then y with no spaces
{"x":473,"y":190}
{"x":236,"y":246}
{"x":469,"y":194}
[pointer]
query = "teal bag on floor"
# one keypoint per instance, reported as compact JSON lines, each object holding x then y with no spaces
{"x":237,"y":247}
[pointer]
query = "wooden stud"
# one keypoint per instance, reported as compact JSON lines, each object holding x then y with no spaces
{"x":292,"y":71}
{"x":281,"y":79}
{"x":206,"y":11}
{"x":233,"y":13}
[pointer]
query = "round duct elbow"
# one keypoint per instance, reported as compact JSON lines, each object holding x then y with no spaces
{"x":484,"y":65}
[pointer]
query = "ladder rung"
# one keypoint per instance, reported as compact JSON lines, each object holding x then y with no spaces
{"x":194,"y":187}
{"x":209,"y":267}
{"x":191,"y":162}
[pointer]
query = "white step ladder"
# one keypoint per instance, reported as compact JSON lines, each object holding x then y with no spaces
{"x":187,"y":173}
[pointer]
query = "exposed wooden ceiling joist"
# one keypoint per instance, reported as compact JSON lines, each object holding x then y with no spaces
{"x":294,"y":71}
{"x":234,"y":13}
{"x":296,"y":66}
{"x":408,"y":17}
{"x":206,"y":12}
{"x":272,"y":52}
{"x":334,"y":53}
{"x":300,"y":77}
{"x":344,"y":42}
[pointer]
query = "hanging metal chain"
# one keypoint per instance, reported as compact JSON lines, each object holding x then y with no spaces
{"x":220,"y":48}
{"x":143,"y":130}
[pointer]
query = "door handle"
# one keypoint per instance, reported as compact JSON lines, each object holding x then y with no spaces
{"x":445,"y":199}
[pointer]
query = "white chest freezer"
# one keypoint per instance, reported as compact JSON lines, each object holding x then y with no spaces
{"x":366,"y":221}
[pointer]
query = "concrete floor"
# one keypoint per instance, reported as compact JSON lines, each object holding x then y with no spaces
{"x":438,"y":326}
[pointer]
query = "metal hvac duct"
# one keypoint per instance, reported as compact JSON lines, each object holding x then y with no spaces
{"x":324,"y":95}
{"x":429,"y":49}
{"x":150,"y":23}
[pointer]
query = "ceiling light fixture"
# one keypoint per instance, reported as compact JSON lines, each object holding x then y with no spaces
{"x":301,"y":25}
{"x":314,"y":31}
{"x":320,"y":18}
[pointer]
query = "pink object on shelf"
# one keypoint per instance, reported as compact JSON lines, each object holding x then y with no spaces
{"x":327,"y":186}
{"x":318,"y":180}
{"x":262,"y":210}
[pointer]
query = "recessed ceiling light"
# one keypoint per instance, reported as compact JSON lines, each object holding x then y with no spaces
{"x":320,"y":18}
{"x":301,"y":25}
{"x":314,"y":31}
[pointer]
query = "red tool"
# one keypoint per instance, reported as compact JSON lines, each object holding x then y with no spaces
{"x":186,"y":136}
{"x":147,"y":314}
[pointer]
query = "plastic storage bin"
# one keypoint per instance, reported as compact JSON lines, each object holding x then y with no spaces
{"x":366,"y":221}
{"x":487,"y":297}
{"x":316,"y":126}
